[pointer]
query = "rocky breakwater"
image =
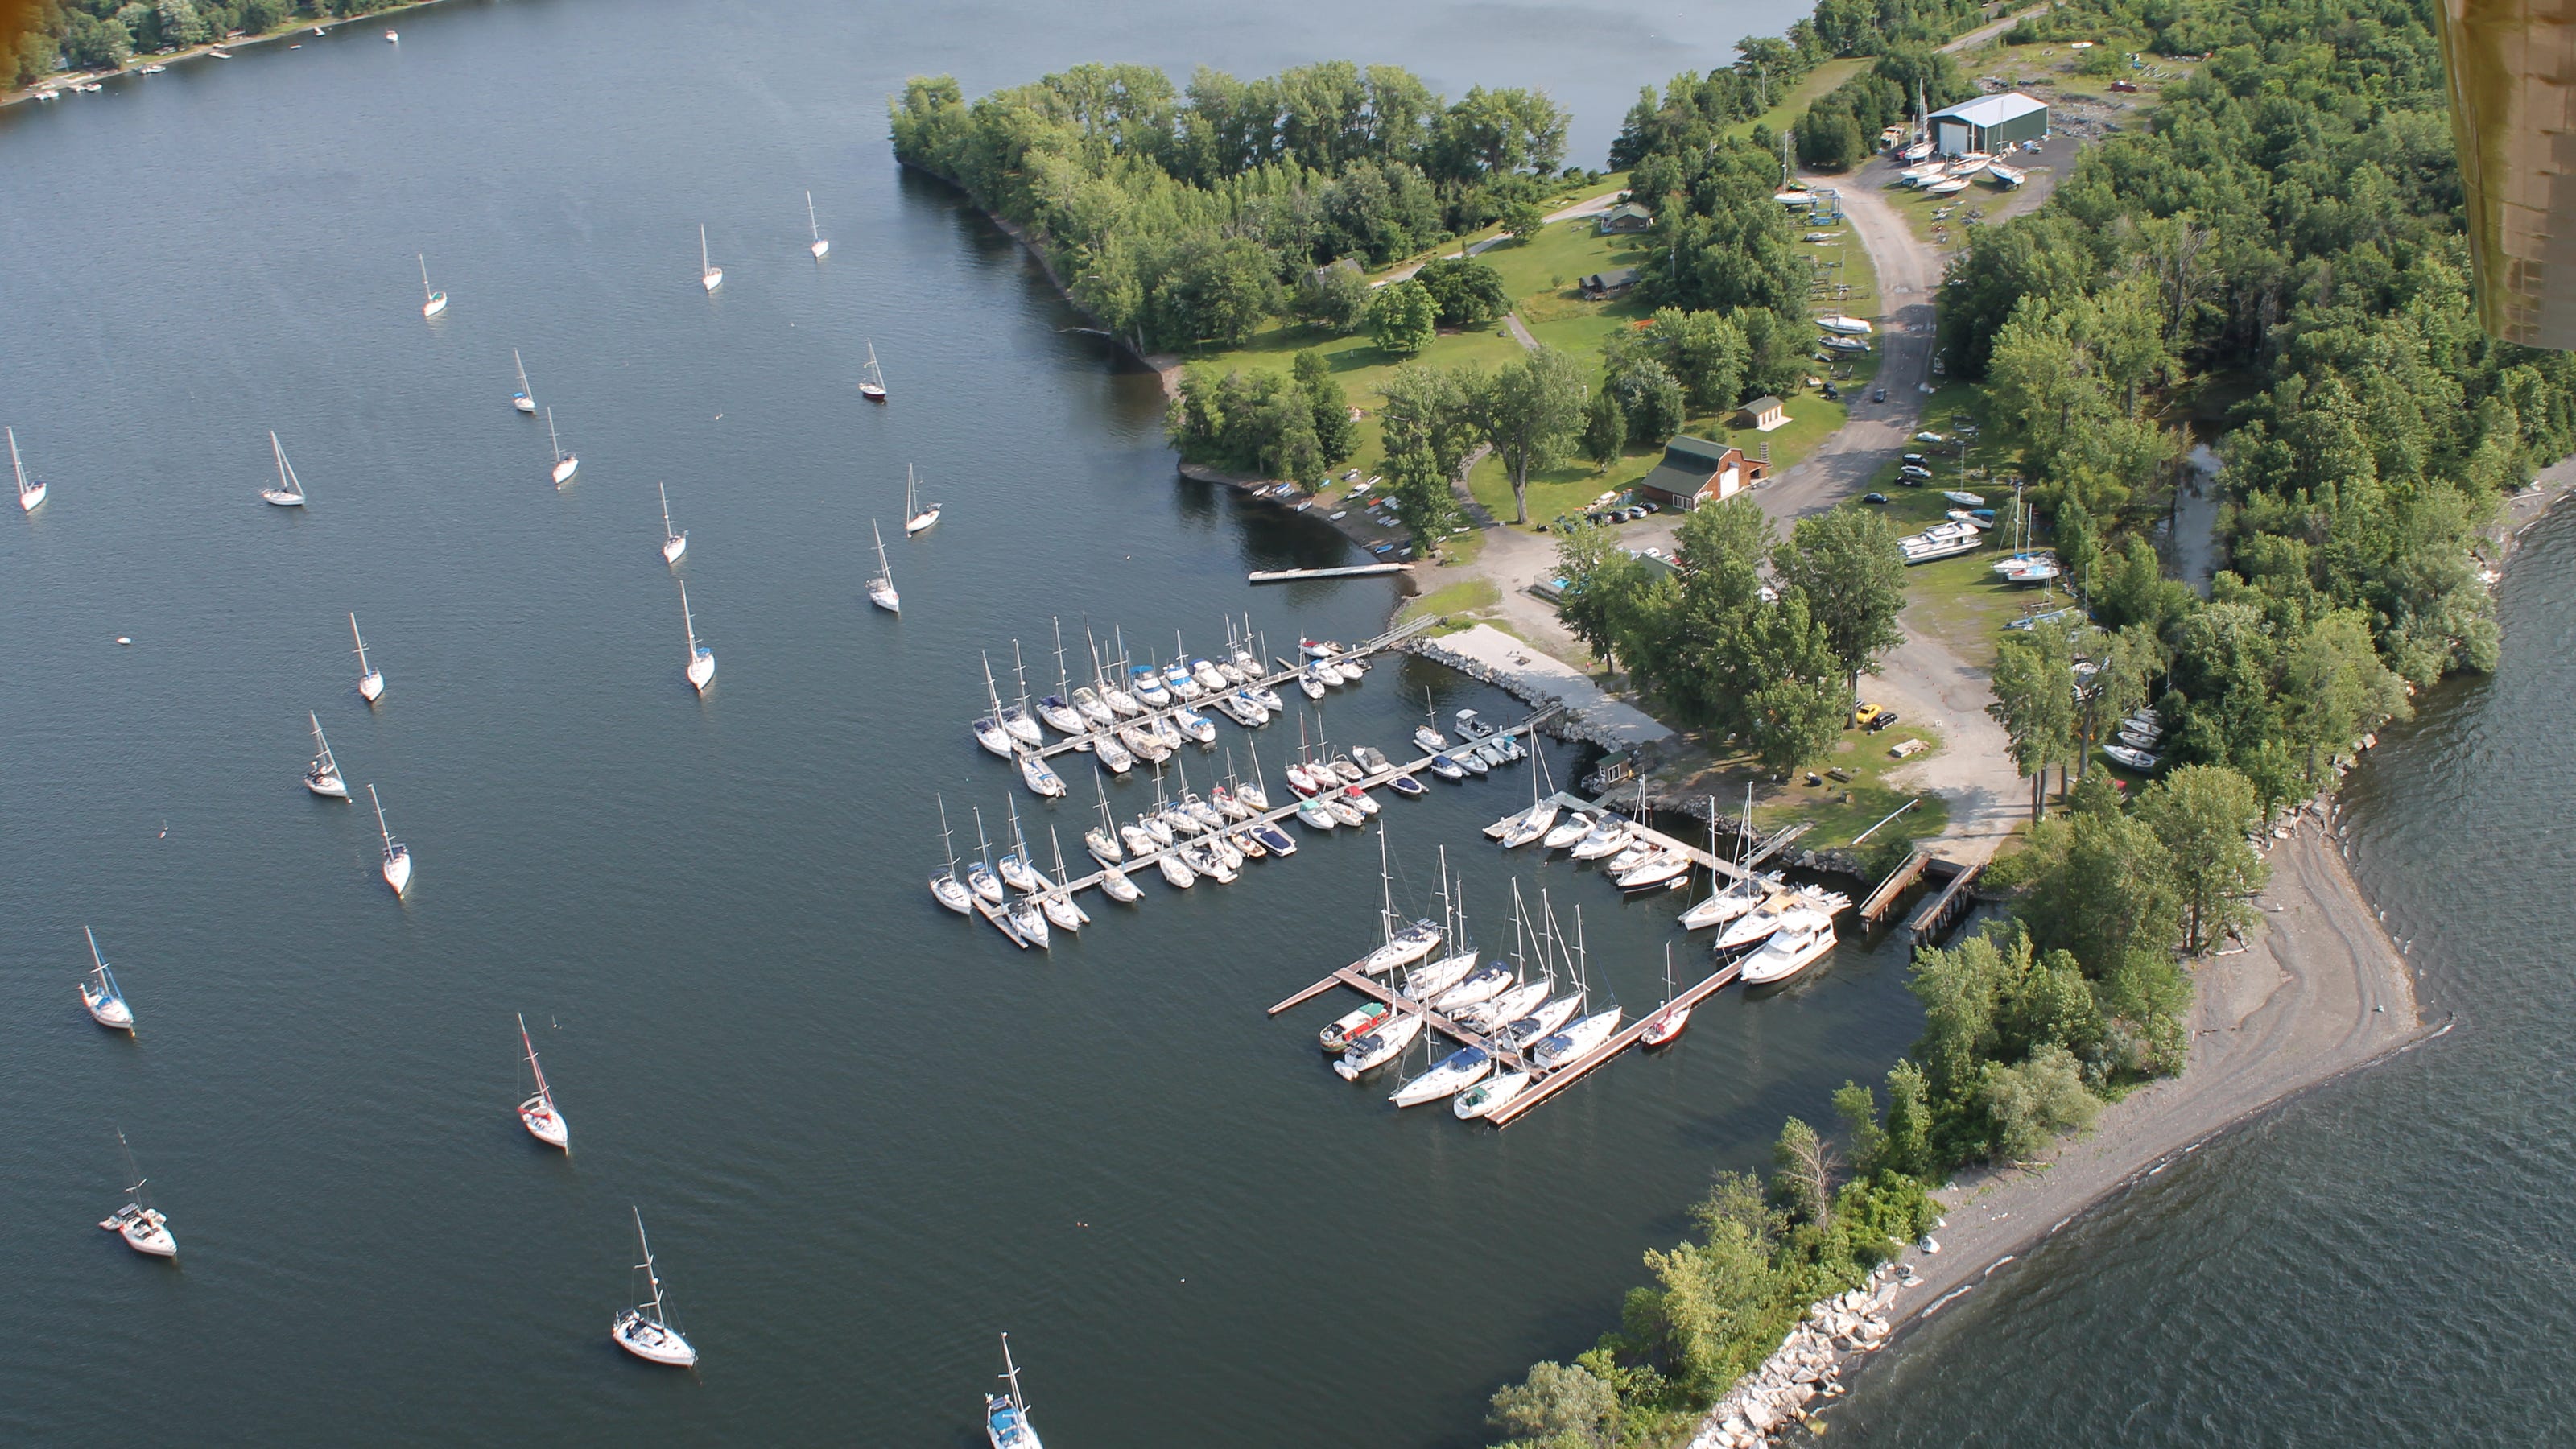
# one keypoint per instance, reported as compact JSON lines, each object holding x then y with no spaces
{"x":1807,"y":1366}
{"x":1586,"y":714}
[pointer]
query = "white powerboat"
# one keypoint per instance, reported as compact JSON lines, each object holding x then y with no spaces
{"x":538,"y":1113}
{"x":645,"y":1330}
{"x":1804,"y":938}
{"x":1568,"y":831}
{"x":1115,"y":885}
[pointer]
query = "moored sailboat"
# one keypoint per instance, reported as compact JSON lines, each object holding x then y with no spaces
{"x":31,"y":490}
{"x":289,"y":492}
{"x":645,"y":1330}
{"x":1006,"y":1416}
{"x":432,"y":302}
{"x":881,"y":588}
{"x":872,"y":381}
{"x":674,"y":542}
{"x":525,"y":399}
{"x":945,"y":887}
{"x":710,"y":276}
{"x":565,"y":464}
{"x":371,"y":680}
{"x":99,"y":993}
{"x":918,"y":517}
{"x":142,"y":1227}
{"x":537,"y":1113}
{"x":701,"y":670}
{"x":322,"y":777}
{"x":396,"y":868}
{"x":820,"y":247}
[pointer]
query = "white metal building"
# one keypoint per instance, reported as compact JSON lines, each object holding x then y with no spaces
{"x":1989,"y":124}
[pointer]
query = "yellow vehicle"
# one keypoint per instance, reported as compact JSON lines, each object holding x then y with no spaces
{"x":1864,"y":715}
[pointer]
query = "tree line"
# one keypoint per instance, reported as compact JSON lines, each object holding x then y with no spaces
{"x":1185,"y":217}
{"x":104,"y":34}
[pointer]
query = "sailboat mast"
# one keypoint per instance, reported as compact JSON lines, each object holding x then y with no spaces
{"x":1385,"y":890}
{"x":811,"y":224}
{"x":650,"y":1276}
{"x":15,"y":466}
{"x":424,"y":274}
{"x":1013,"y":1374}
{"x":703,"y":266}
{"x":688,"y":621}
{"x":387,"y":835}
{"x":947,"y":840}
{"x":1063,"y":680}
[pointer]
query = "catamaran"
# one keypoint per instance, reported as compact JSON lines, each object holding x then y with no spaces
{"x":538,"y":1113}
{"x":432,"y":302}
{"x":289,"y":492}
{"x":143,"y":1228}
{"x":702,"y":660}
{"x":945,"y":887}
{"x":881,"y":588}
{"x":710,"y":276}
{"x":645,"y":1330}
{"x":872,"y":381}
{"x":565,"y":463}
{"x":525,"y":399}
{"x":917,"y":515}
{"x":31,"y":491}
{"x":100,"y":993}
{"x":674,"y":542}
{"x":820,"y":246}
{"x":1006,"y":1416}
{"x":322,"y":777}
{"x":397,"y":862}
{"x":371,"y":680}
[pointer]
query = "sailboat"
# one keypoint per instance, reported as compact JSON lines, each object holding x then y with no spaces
{"x":1102,"y":839}
{"x":1672,"y":1016}
{"x":645,"y":1330}
{"x":1428,"y":736}
{"x":1460,"y":1069}
{"x":1056,"y":900}
{"x":289,"y":492}
{"x":565,"y":463}
{"x":710,"y":276}
{"x":322,"y":777}
{"x":538,"y":1113}
{"x":674,"y":542}
{"x":143,"y":1228}
{"x":1006,"y":1416}
{"x":702,"y":660}
{"x":1535,"y":822}
{"x":917,"y":515}
{"x":100,"y":993}
{"x":432,"y":302}
{"x":820,"y":246}
{"x":881,"y":588}
{"x":1738,"y":896}
{"x":945,"y":887}
{"x":1056,"y":709}
{"x":980,"y":877}
{"x":397,"y":866}
{"x":1017,"y":719}
{"x":525,"y":399}
{"x":371,"y":680}
{"x":989,"y":731}
{"x":872,"y":381}
{"x":31,"y":491}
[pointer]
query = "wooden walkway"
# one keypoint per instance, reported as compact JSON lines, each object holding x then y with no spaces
{"x":1346,"y":571}
{"x":1884,"y":898}
{"x":1371,"y":987}
{"x":1939,"y":913}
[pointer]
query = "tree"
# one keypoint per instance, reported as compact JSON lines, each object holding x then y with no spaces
{"x":2033,"y":1103}
{"x":1334,"y":298}
{"x":1651,"y":397}
{"x":1909,"y":1121}
{"x":1705,"y":351}
{"x":2333,"y":688}
{"x":1522,"y":219}
{"x":1847,"y":563}
{"x":1529,"y":411}
{"x":2203,"y":814}
{"x":1402,"y":318}
{"x":1336,"y":435}
{"x":1465,"y":292}
{"x":1858,"y":1107}
{"x":1605,"y":429}
{"x":1610,"y":600}
{"x":2098,"y":886}
{"x":1426,"y":433}
{"x":1217,"y":290}
{"x":2034,"y":689}
{"x":1557,"y":1405}
{"x":1804,"y":1170}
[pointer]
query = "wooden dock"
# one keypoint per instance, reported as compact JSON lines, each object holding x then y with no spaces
{"x":1715,"y":864}
{"x":1884,"y":898}
{"x":1376,"y":990}
{"x":1346,"y":571}
{"x":1938,"y":914}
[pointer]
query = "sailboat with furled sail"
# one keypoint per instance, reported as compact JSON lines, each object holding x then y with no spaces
{"x":1006,"y":1416}
{"x":322,"y":777}
{"x":702,"y":660}
{"x":918,"y":517}
{"x":397,"y":861}
{"x":872,"y":381}
{"x":525,"y":399}
{"x":31,"y":490}
{"x":945,"y":886}
{"x":674,"y":542}
{"x":371,"y":680}
{"x":99,"y":993}
{"x":645,"y":1330}
{"x":142,"y":1227}
{"x":710,"y":276}
{"x":433,"y":301}
{"x":565,"y":464}
{"x":820,"y":247}
{"x":881,"y":588}
{"x":538,"y":1113}
{"x":289,"y":492}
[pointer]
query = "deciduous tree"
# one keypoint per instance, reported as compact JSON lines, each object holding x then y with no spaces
{"x":1529,"y":410}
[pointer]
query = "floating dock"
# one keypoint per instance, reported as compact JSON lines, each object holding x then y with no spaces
{"x":1715,"y":864}
{"x":1346,"y":571}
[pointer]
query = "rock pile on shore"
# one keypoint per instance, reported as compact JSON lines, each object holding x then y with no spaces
{"x":1806,"y":1367}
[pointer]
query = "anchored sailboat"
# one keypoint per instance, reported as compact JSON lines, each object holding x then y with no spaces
{"x":322,"y":777}
{"x":1006,"y":1416}
{"x":645,"y":1330}
{"x":565,"y":463}
{"x":538,"y":1113}
{"x":371,"y":680}
{"x":881,"y":588}
{"x":820,"y":246}
{"x":710,"y":276}
{"x":702,"y":660}
{"x":397,"y":866}
{"x":31,"y":491}
{"x":917,"y":515}
{"x":872,"y":381}
{"x":289,"y":492}
{"x":99,"y":992}
{"x":143,"y":1228}
{"x":432,"y":302}
{"x":674,"y":542}
{"x":525,"y":399}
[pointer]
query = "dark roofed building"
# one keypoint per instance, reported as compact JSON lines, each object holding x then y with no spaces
{"x":1627,"y":218}
{"x":1696,"y":471}
{"x":1764,"y":413}
{"x":1602,"y":286}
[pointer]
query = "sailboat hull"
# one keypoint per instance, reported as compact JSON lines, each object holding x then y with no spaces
{"x":674,"y":547}
{"x":820,"y":249}
{"x":650,"y":1341}
{"x":436,"y":304}
{"x":702,"y":670}
{"x":545,"y":1124}
{"x":329,"y":787}
{"x":371,"y":687}
{"x":712,"y":279}
{"x":921,"y":522}
{"x":397,"y":872}
{"x":28,"y":500}
{"x":280,"y":498}
{"x":564,"y":470}
{"x":110,"y":1012}
{"x":525,"y":404}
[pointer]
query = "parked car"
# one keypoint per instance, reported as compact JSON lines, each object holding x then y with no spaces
{"x":1873,"y":498}
{"x":1652,"y":508}
{"x":1915,"y":471}
{"x":1878,"y":394}
{"x":1930,"y":438}
{"x":1831,"y":395}
{"x":1884,"y":718}
{"x":1912,"y":458}
{"x":1862,"y":714}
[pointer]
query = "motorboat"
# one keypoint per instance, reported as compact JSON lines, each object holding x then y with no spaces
{"x":322,"y":777}
{"x":1568,"y":830}
{"x":1608,"y":836}
{"x":1379,"y":1047}
{"x":1139,"y":841}
{"x":1350,"y":1026}
{"x":1115,"y":885}
{"x":1202,"y":857}
{"x":1638,"y":853}
{"x":1176,"y":870}
{"x":1759,"y":923}
{"x":1405,"y":785}
{"x":1482,"y":1099}
{"x":1300,"y":780}
{"x":1106,"y":748}
{"x":1210,"y":678}
{"x":100,"y":995}
{"x":1194,"y":725}
{"x":1342,"y":811}
{"x":645,"y":1330}
{"x":1470,"y":725}
{"x":1493,"y":753}
{"x":1356,"y":798}
{"x":1318,"y":648}
{"x":1844,"y":323}
{"x":1578,"y":1040}
{"x":1176,"y":678}
{"x":1665,"y":872}
{"x":1006,"y":1416}
{"x":1447,"y":768}
{"x":1348,"y":769}
{"x":1309,"y":683}
{"x":538,"y":1113}
{"x":1281,"y":843}
{"x":1149,"y":688}
{"x":1460,"y":1069}
{"x":1371,"y":760}
{"x":1311,"y":810}
{"x":1804,"y":938}
{"x":1472,"y":762}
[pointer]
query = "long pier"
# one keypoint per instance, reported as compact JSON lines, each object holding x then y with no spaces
{"x":1369,"y":986}
{"x":1346,"y":571}
{"x":1718,"y":865}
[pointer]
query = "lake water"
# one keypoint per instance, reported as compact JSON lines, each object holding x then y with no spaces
{"x":2386,"y":1260}
{"x":866,"y":1135}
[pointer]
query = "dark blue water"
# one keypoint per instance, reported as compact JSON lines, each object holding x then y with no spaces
{"x":867,"y":1136}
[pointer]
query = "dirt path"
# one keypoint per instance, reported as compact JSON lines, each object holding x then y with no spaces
{"x":1591,"y":207}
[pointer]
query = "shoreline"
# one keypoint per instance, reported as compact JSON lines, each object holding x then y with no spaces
{"x":53,"y":85}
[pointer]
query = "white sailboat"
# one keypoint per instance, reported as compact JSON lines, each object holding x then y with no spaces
{"x":945,"y":887}
{"x":565,"y":463}
{"x":289,"y":492}
{"x":980,"y":877}
{"x":872,"y":381}
{"x":710,"y":276}
{"x":702,"y":660}
{"x":820,"y":246}
{"x":371,"y":680}
{"x":1055,"y":900}
{"x":525,"y":399}
{"x":538,"y":1113}
{"x":144,"y":1229}
{"x":322,"y":777}
{"x":1672,"y":1016}
{"x":881,"y":588}
{"x":397,"y":863}
{"x":989,"y":730}
{"x":674,"y":542}
{"x":918,"y":517}
{"x":1489,"y":1095}
{"x":100,"y":994}
{"x":645,"y":1330}
{"x":432,"y":302}
{"x":1738,"y":896}
{"x":1455,"y":1072}
{"x":31,"y":491}
{"x":1006,"y":1416}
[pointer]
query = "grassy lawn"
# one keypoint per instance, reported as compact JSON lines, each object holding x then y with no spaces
{"x":1812,"y":85}
{"x":1465,"y":596}
{"x":1840,"y":809}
